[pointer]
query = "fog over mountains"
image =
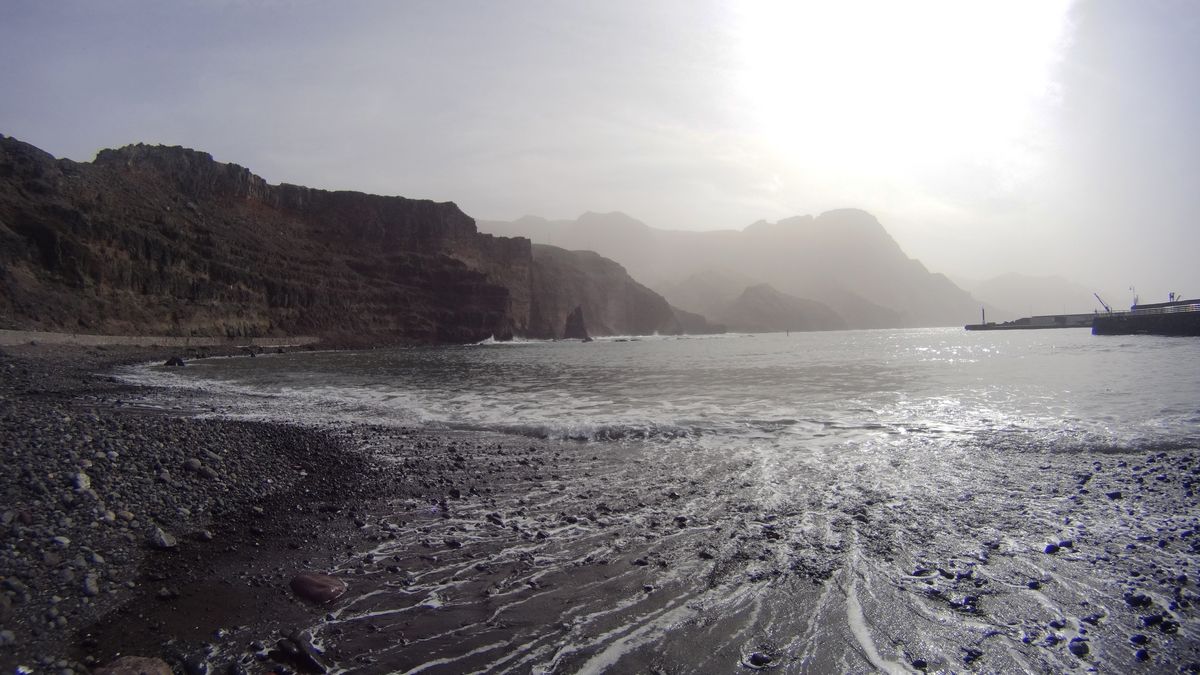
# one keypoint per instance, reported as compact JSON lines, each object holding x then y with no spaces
{"x":842,"y":260}
{"x":167,"y":240}
{"x":1017,"y":295}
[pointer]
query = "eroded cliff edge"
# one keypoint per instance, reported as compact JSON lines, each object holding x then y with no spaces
{"x":168,"y":241}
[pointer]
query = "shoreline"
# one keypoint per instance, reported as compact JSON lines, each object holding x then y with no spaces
{"x":16,"y":338}
{"x":473,"y":550}
{"x":270,"y":499}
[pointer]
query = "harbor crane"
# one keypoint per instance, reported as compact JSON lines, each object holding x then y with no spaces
{"x":1102,"y":302}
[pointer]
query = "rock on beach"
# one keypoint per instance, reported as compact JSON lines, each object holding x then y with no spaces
{"x":318,"y":588}
{"x":135,"y":665}
{"x":161,"y":539}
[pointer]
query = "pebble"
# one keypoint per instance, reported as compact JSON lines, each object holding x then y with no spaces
{"x":163,"y":540}
{"x":1078,"y":647}
{"x":319,"y":588}
{"x":195,"y":665}
{"x":91,"y":586}
{"x":759,"y":660}
{"x":297,"y":649}
{"x":1138,"y":600}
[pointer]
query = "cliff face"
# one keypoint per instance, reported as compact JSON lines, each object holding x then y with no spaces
{"x":612,"y":302}
{"x":168,"y":241}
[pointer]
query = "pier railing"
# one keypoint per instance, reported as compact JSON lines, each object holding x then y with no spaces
{"x":1173,"y":309}
{"x":1147,"y":311}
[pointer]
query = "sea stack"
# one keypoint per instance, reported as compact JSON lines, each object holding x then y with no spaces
{"x":575,"y":328}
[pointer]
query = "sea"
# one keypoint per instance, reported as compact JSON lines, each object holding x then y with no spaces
{"x":850,"y":501}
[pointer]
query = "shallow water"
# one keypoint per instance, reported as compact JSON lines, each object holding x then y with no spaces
{"x":824,"y":502}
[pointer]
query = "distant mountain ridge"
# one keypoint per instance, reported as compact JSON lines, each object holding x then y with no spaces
{"x":763,"y":309}
{"x":167,"y":241}
{"x":843,"y":259}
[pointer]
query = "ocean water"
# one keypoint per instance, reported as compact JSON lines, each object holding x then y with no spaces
{"x":1025,"y":390}
{"x":816,"y":502}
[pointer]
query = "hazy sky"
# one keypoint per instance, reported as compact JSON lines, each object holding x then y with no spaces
{"x":1041,"y":137}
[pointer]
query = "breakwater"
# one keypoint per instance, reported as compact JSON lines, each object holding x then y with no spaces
{"x":1181,"y":318}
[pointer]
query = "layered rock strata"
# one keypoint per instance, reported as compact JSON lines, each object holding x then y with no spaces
{"x":168,"y":241}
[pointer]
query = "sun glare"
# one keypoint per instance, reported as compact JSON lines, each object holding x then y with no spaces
{"x":887,"y":87}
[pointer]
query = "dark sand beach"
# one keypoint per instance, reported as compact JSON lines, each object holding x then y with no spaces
{"x":138,"y":530}
{"x":130,"y":527}
{"x":92,"y":485}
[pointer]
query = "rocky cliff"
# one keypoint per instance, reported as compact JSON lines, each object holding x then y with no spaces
{"x":165,"y":240}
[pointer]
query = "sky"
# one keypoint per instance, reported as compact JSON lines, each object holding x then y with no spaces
{"x":1043,"y":137}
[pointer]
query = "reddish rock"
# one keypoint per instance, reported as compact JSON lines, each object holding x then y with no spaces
{"x":318,"y":588}
{"x":135,"y":665}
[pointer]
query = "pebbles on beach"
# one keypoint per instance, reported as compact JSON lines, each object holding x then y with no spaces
{"x":90,"y":489}
{"x":161,"y":539}
{"x":466,"y":526}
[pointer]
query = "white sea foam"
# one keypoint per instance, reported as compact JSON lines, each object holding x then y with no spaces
{"x":814,"y":473}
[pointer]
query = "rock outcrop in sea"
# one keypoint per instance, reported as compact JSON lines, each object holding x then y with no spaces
{"x":167,"y":241}
{"x":612,"y":301}
{"x":575,"y":328}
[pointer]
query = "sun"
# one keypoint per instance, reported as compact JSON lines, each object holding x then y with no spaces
{"x":893,"y":87}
